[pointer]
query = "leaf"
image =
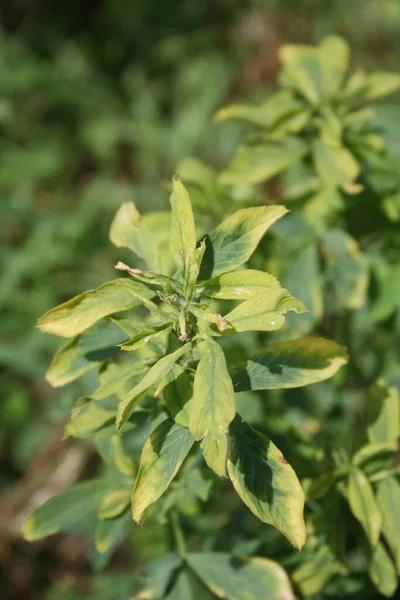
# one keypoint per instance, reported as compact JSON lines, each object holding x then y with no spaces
{"x":381,"y":84}
{"x":239,"y":285}
{"x":264,"y":312}
{"x":79,"y":313}
{"x":60,"y":512}
{"x":128,"y":231}
{"x":114,"y":376}
{"x":241,"y":578}
{"x":213,"y":407}
{"x":158,"y":575}
{"x":266,"y":482}
{"x":364,"y":506}
{"x":388,"y":497}
{"x":84,"y":353}
{"x":233,"y":242}
{"x":290,"y":364}
{"x":256,"y":164}
{"x":147,"y":334}
{"x":335,"y":54}
{"x":255,"y":115}
{"x":157,"y":372}
{"x":383,"y":414}
{"x":113,"y":504}
{"x":89,"y":420}
{"x":162,"y":456}
{"x":312,"y":576}
{"x":183,"y":233}
{"x":336,"y":166}
{"x":110,"y":532}
{"x":382,"y":571}
{"x":177,"y":393}
{"x":378,"y":453}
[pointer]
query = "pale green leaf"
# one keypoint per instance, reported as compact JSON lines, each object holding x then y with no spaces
{"x":79,"y":313}
{"x":382,"y":571}
{"x":334,"y":52}
{"x":383,"y":413}
{"x":235,"y":578}
{"x":335,"y":165}
{"x":115,"y":375}
{"x":255,"y":115}
{"x":146,"y":335}
{"x":183,"y":233}
{"x":238,"y":285}
{"x":88,"y":421}
{"x":177,"y":392}
{"x":381,"y":84}
{"x":313,"y":575}
{"x":113,"y":504}
{"x":290,"y":364}
{"x":364,"y":506}
{"x":85,"y":352}
{"x":233,"y":242}
{"x":378,"y":453}
{"x":157,"y":372}
{"x":128,"y":231}
{"x":266,"y":482}
{"x":265,"y":311}
{"x":213,"y":407}
{"x":162,"y":456}
{"x":255,"y":164}
{"x":388,"y":497}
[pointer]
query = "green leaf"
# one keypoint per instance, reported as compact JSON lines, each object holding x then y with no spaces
{"x":110,"y":532}
{"x":382,"y":571}
{"x":79,"y":313}
{"x":255,"y":115}
{"x":89,"y":420}
{"x":388,"y":497}
{"x":381,"y":452}
{"x":239,"y":285}
{"x":158,"y":575}
{"x":335,"y":165}
{"x":146,"y":335}
{"x":127,"y":231}
{"x":290,"y":364}
{"x":157,"y":372}
{"x":381,"y":84}
{"x":364,"y":506}
{"x":266,"y":482}
{"x":264,"y":312}
{"x":114,"y":376}
{"x":113,"y":504}
{"x":213,"y":407}
{"x":302,"y":70}
{"x":383,"y":414}
{"x":241,"y":578}
{"x":177,"y":393}
{"x":335,"y":55}
{"x":84,"y":353}
{"x":183,"y":232}
{"x":60,"y":512}
{"x":312,"y":576}
{"x":162,"y":456}
{"x":255,"y":164}
{"x":233,"y":242}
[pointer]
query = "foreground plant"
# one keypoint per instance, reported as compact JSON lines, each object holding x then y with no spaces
{"x":165,"y":372}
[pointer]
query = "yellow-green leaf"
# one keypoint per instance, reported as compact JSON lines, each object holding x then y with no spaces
{"x":113,"y":504}
{"x":334,"y":52}
{"x":382,"y":571}
{"x":383,"y":413}
{"x":128,"y":231}
{"x":381,"y":84}
{"x":183,"y":232}
{"x":266,"y":482}
{"x":335,"y":165}
{"x":313,"y":575}
{"x":239,"y":285}
{"x":157,"y":372}
{"x":265,"y":311}
{"x":213,"y":407}
{"x":233,"y":242}
{"x":144,"y":336}
{"x":79,"y":313}
{"x":290,"y":364}
{"x":162,"y":456}
{"x":91,"y":418}
{"x":256,"y":115}
{"x":177,"y":392}
{"x":253,"y":578}
{"x":388,"y":497}
{"x":364,"y":506}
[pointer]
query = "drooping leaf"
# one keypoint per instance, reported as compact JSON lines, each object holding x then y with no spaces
{"x":79,"y":313}
{"x":213,"y":407}
{"x":241,"y":579}
{"x":239,"y":285}
{"x":265,"y":311}
{"x":294,"y":363}
{"x":364,"y":506}
{"x":157,"y":372}
{"x":147,"y":334}
{"x":388,"y":497}
{"x":162,"y":456}
{"x":266,"y":482}
{"x":183,"y":233}
{"x":60,"y":512}
{"x":84,"y":353}
{"x":383,"y":414}
{"x":113,"y":504}
{"x":382,"y":571}
{"x":255,"y":164}
{"x":233,"y":242}
{"x":128,"y":231}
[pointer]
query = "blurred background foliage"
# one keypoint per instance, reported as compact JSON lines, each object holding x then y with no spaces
{"x":99,"y":103}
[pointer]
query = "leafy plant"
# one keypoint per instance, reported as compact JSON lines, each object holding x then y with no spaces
{"x":166,"y":372}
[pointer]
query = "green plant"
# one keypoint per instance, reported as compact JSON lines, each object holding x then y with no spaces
{"x":167,"y":373}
